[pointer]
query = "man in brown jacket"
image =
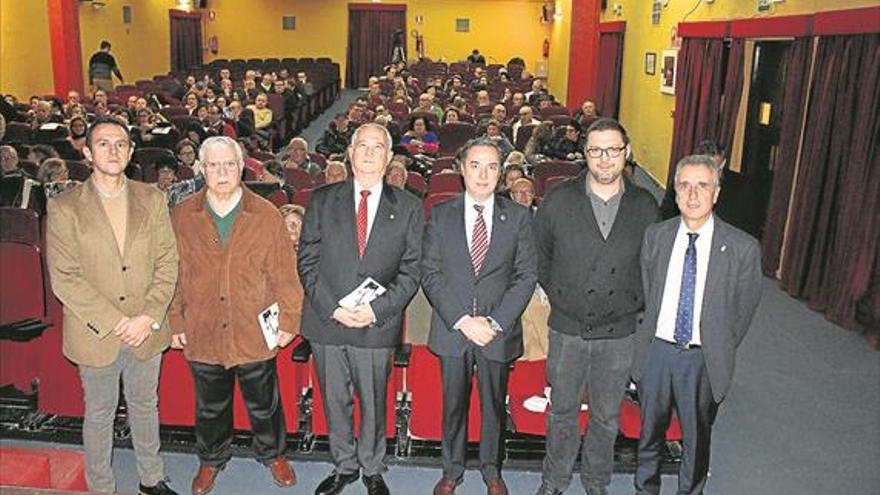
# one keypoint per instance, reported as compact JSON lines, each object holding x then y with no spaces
{"x":113,"y":262}
{"x":236,"y":262}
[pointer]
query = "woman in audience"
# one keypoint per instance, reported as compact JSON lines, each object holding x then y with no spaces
{"x":540,"y":145}
{"x":187,"y":155}
{"x":493,"y":132}
{"x":451,"y":116}
{"x":262,"y":119}
{"x":191,"y":102}
{"x":54,"y":176}
{"x":293,"y":216}
{"x":78,"y":130}
{"x":420,"y":138}
{"x":512,"y":173}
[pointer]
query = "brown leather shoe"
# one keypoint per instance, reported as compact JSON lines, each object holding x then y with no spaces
{"x":204,"y":480}
{"x":496,"y":487}
{"x":282,"y":473}
{"x":446,"y":486}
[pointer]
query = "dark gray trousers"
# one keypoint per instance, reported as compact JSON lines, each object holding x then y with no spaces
{"x":675,"y":378}
{"x":457,"y":374}
{"x":343,"y":371}
{"x":601,"y":369}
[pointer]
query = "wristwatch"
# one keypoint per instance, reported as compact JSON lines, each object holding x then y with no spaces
{"x":494,"y":325}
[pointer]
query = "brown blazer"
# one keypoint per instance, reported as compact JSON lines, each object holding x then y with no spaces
{"x":99,"y":286}
{"x":222,"y":289}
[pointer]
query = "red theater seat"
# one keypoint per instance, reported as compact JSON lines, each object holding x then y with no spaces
{"x":423,"y":382}
{"x":445,"y":183}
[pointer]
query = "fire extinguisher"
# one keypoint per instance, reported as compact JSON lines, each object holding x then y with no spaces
{"x":546,"y":49}
{"x":420,"y":43}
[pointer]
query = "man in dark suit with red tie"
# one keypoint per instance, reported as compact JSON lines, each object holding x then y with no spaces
{"x":479,"y":270}
{"x":702,"y":284}
{"x":354,"y":230}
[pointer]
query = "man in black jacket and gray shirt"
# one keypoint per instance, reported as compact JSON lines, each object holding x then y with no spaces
{"x":588,"y":238}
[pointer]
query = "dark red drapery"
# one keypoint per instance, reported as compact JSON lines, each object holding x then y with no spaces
{"x":699,"y":84}
{"x":370,"y":31}
{"x":834,"y":229}
{"x":733,"y":83}
{"x":793,"y":105}
{"x":186,"y":40}
{"x":608,"y":75}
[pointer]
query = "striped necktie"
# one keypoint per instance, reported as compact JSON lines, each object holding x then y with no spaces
{"x":479,"y":241}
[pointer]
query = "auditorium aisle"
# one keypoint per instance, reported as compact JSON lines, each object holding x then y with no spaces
{"x":801,"y":417}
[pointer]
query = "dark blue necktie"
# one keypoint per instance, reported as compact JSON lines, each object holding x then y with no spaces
{"x":684,"y":317}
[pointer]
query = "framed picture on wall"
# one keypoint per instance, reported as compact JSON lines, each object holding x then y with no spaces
{"x":650,"y":63}
{"x":668,"y":72}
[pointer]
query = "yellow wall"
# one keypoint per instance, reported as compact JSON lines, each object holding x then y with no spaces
{"x":500,"y":29}
{"x":142,"y":48}
{"x":560,"y":40}
{"x":644,"y":111}
{"x":25,"y":50}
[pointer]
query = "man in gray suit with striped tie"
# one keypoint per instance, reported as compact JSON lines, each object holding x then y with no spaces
{"x":702,"y":284}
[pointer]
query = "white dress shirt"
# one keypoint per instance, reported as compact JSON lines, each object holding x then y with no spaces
{"x":672,"y":289}
{"x":470,"y":217}
{"x":372,"y":203}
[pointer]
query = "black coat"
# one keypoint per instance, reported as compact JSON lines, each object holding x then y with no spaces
{"x":329,"y":266}
{"x":594,"y":284}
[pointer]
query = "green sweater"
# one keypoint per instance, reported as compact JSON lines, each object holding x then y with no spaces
{"x":224,"y":224}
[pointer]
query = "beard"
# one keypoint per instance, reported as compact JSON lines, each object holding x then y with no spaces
{"x":605,"y":177}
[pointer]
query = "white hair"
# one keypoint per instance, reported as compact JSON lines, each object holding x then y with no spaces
{"x":218,"y":141}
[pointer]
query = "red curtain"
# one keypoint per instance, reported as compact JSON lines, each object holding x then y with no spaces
{"x":835,"y":221}
{"x":699,"y":84}
{"x":370,"y":32}
{"x":608,"y":75}
{"x":733,"y":83}
{"x":793,"y":105}
{"x":186,"y":40}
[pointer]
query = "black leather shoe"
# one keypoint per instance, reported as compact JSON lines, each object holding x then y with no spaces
{"x":376,"y":485}
{"x":160,"y":488}
{"x":334,"y":483}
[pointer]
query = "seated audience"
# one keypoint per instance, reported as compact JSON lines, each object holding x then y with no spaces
{"x":540,"y":145}
{"x":493,"y":132}
{"x":297,"y":156}
{"x":569,"y":146}
{"x":336,"y":137}
{"x":335,"y":171}
{"x":420,"y":138}
{"x":77,"y":137}
{"x":293,"y":216}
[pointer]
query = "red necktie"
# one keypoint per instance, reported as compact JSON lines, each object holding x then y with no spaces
{"x":362,"y":223}
{"x":479,"y":241}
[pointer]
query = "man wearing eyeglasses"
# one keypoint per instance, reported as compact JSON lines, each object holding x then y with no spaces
{"x":236,"y":262}
{"x":702,"y":284}
{"x":588,"y":236}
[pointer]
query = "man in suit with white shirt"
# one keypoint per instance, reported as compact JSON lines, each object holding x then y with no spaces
{"x":702,"y":280}
{"x":479,"y":271}
{"x":356,"y":229}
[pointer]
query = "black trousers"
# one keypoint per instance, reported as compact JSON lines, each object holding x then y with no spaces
{"x":675,"y":377}
{"x":457,"y":373}
{"x":214,"y":386}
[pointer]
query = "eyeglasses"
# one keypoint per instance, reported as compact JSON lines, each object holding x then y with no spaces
{"x":612,"y":152}
{"x":229,"y":166}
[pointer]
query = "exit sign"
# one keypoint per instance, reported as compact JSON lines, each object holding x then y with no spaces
{"x":764,"y":5}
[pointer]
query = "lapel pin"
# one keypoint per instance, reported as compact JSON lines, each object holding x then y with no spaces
{"x":503,"y":217}
{"x":724,"y":248}
{"x":391,"y":216}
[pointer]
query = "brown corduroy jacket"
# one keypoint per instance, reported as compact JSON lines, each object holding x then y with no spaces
{"x":223,"y":288}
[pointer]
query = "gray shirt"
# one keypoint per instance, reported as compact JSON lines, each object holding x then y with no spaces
{"x":605,"y":211}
